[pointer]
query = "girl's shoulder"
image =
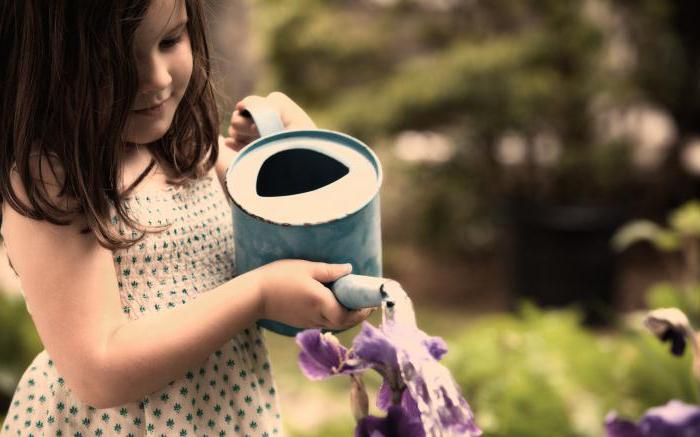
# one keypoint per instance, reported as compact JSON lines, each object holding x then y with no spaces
{"x":47,"y":176}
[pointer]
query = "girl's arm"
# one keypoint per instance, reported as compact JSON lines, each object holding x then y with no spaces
{"x":70,"y":285}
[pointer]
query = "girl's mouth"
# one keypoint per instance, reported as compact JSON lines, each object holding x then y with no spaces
{"x":151,"y":111}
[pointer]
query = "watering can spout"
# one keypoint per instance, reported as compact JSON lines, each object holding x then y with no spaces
{"x":358,"y":291}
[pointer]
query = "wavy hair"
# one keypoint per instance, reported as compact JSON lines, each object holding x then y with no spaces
{"x":67,"y":82}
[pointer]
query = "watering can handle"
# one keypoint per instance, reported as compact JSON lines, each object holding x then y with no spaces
{"x":355,"y":292}
{"x":265,"y":117}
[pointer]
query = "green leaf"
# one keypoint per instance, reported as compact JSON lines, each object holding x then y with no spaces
{"x":643,"y":230}
{"x":686,"y":219}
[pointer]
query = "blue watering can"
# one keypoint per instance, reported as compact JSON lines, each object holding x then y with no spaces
{"x":312,"y":195}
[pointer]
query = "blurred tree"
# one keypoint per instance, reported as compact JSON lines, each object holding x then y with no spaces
{"x":667,"y":41}
{"x":233,"y":63}
{"x":561,"y":111}
{"x":474,"y":70}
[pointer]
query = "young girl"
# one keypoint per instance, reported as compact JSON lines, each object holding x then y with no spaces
{"x":115,"y":219}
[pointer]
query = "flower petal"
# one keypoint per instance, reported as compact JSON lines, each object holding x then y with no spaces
{"x":673,"y":418}
{"x":373,"y":346}
{"x":409,"y":404}
{"x":373,"y":426}
{"x":384,"y":396}
{"x":677,"y":340}
{"x":618,"y":427}
{"x":672,"y":325}
{"x":397,"y":423}
{"x":321,"y":354}
{"x":436,"y":346}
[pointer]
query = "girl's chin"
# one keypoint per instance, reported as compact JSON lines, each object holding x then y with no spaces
{"x":140,"y":134}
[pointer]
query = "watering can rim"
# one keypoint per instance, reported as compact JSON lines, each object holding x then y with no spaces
{"x":310,"y":132}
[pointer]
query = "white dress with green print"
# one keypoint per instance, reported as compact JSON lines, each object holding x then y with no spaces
{"x":230,"y":394}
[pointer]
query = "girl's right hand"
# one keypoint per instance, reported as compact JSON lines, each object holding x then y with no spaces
{"x":242,"y":130}
{"x":292,"y":292}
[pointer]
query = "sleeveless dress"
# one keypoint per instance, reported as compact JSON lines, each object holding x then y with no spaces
{"x":231,"y":393}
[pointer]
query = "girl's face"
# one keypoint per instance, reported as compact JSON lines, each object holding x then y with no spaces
{"x":164,"y":65}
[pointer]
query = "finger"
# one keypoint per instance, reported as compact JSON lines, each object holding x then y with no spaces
{"x":344,"y":319}
{"x":234,"y":145}
{"x":249,"y":101}
{"x":293,"y":117}
{"x":241,"y":138}
{"x":335,"y":317}
{"x":245,"y":132}
{"x":324,"y":272}
{"x":360,"y":316}
{"x":279,"y":99}
{"x":243,"y":122}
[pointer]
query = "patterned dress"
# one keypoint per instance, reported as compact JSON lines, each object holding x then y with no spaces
{"x":230,"y":394}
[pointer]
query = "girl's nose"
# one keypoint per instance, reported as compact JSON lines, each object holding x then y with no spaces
{"x":154,"y":75}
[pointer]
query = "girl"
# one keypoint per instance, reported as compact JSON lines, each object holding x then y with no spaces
{"x":115,"y":219}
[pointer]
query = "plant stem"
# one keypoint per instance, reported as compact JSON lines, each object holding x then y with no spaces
{"x":693,"y":252}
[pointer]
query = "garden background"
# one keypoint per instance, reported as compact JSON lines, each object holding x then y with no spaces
{"x":516,"y":139}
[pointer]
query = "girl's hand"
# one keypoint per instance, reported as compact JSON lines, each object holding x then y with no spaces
{"x":292,"y":292}
{"x":243,"y":130}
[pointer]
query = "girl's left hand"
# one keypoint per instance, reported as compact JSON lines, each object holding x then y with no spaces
{"x":243,"y":130}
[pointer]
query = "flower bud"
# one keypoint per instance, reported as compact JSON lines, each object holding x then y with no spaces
{"x":359,"y":402}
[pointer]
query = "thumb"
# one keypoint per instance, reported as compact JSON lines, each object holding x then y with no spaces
{"x":324,"y":272}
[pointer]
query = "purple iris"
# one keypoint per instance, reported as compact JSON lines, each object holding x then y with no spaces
{"x":387,"y":350}
{"x":397,"y":423}
{"x":673,"y":419}
{"x":322,"y":355}
{"x":436,"y":346}
{"x":378,"y":347}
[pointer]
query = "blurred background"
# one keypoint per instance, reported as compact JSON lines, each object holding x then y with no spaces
{"x":519,"y":139}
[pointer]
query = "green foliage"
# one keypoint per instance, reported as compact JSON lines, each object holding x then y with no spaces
{"x":685,"y":221}
{"x":543,"y":374}
{"x":334,"y":428}
{"x":645,"y":230}
{"x":670,"y":295}
{"x":682,"y":236}
{"x":654,"y":376}
{"x":19,"y":342}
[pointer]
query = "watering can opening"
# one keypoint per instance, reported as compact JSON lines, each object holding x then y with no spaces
{"x":304,"y":178}
{"x":296,"y":171}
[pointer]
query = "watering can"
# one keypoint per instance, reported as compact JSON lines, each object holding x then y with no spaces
{"x":312,"y":195}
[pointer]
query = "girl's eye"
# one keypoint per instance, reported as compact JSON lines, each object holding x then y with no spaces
{"x":170,"y":42}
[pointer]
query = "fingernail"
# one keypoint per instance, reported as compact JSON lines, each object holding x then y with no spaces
{"x":348,"y":267}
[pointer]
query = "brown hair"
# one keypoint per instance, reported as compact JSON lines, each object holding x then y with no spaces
{"x":67,"y":83}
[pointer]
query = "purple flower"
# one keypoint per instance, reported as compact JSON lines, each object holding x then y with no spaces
{"x":402,"y":355}
{"x":672,"y":325}
{"x":322,"y":355}
{"x":373,"y":346}
{"x":397,"y":423}
{"x":436,"y":346}
{"x":378,"y":348}
{"x":385,"y":400}
{"x":673,"y":419}
{"x":417,"y":392}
